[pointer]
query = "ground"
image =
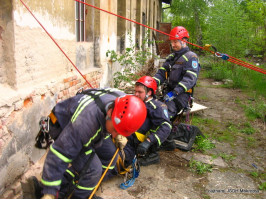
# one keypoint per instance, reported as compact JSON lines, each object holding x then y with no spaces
{"x":230,"y":178}
{"x":234,"y":158}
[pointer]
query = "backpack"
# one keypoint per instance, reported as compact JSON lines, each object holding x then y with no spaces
{"x":182,"y":137}
{"x":50,"y":129}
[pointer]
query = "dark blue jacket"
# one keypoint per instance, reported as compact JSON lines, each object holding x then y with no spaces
{"x":157,"y":122}
{"x":83,"y":125}
{"x":182,"y":68}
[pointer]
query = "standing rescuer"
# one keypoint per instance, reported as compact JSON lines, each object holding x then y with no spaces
{"x":179,"y":73}
{"x":85,"y":121}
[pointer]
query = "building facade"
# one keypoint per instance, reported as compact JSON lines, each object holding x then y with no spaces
{"x":35,"y":74}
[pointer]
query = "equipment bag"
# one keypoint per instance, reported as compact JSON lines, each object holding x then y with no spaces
{"x":182,"y":137}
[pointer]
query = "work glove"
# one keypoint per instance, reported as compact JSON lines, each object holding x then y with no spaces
{"x":48,"y":196}
{"x":120,"y":141}
{"x":169,"y":96}
{"x":143,"y":147}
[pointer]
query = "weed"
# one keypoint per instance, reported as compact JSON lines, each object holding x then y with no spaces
{"x":255,"y":110}
{"x":227,"y":157}
{"x":131,"y":61}
{"x":251,"y":141}
{"x":203,"y":144}
{"x":226,"y":136}
{"x":242,"y":78}
{"x":248,"y":129}
{"x":262,"y":186}
{"x":254,"y":174}
{"x":199,"y":167}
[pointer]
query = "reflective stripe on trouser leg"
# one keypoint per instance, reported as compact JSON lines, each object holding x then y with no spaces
{"x":87,"y":184}
{"x":105,"y":153}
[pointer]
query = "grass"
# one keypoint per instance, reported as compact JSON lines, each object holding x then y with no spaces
{"x":199,"y":167}
{"x":227,"y":157}
{"x":248,"y":129}
{"x":203,"y":144}
{"x":250,"y":81}
{"x":262,"y":186}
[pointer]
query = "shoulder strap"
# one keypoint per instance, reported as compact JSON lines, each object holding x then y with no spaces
{"x":95,"y":94}
{"x":176,"y":58}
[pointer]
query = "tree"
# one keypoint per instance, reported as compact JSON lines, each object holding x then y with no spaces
{"x":191,"y":15}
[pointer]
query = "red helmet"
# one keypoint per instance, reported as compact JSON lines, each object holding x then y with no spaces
{"x":178,"y":33}
{"x":128,"y":115}
{"x":149,"y":82}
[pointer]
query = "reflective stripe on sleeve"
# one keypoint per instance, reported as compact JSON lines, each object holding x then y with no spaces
{"x":51,"y":183}
{"x":59,"y":155}
{"x":192,"y":73}
{"x":88,"y":143}
{"x":157,"y":80}
{"x":183,"y":86}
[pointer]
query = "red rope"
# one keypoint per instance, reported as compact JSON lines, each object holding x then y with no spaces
{"x":232,"y":59}
{"x":56,"y":44}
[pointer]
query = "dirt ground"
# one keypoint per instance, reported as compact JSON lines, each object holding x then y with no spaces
{"x":172,"y":178}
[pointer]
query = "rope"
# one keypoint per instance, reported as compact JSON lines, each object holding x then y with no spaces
{"x":56,"y":43}
{"x":93,"y":192}
{"x":228,"y":58}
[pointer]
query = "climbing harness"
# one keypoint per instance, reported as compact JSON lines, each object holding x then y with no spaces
{"x":78,"y":177}
{"x":43,"y":138}
{"x":131,"y":175}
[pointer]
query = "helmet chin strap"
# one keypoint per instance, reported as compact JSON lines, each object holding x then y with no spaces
{"x":146,"y":97}
{"x":182,"y":45}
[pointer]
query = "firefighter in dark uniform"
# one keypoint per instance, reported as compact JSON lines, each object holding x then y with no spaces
{"x":86,"y":120}
{"x":179,"y":73}
{"x":156,"y":127}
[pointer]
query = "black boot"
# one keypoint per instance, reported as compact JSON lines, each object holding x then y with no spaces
{"x":168,"y":145}
{"x":149,"y":159}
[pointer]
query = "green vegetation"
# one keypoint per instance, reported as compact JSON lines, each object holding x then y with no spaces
{"x":255,"y":110}
{"x":132,"y":61}
{"x":248,"y":129}
{"x":199,"y":167}
{"x":262,"y":186}
{"x":254,"y":174}
{"x":236,"y":28}
{"x":227,"y":157}
{"x":203,"y":144}
{"x":233,"y":27}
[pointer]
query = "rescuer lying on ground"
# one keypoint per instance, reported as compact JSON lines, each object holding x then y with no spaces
{"x":84,"y":121}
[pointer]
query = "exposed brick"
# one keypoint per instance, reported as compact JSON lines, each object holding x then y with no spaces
{"x":65,"y":92}
{"x":71,"y":83}
{"x":75,"y":77}
{"x":18,"y":105}
{"x":60,"y":95}
{"x":67,"y":85}
{"x":27,"y":102}
{"x":16,"y":188}
{"x":78,"y":86}
{"x":67,"y":79}
{"x":42,"y":96}
{"x":8,"y":194}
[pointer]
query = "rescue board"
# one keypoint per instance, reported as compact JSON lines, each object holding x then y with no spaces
{"x":197,"y":107}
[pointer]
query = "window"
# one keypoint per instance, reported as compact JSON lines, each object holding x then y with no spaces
{"x":80,"y":21}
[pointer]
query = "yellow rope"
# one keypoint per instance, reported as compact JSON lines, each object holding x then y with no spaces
{"x":104,"y":174}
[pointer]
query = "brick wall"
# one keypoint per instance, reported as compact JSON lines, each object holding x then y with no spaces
{"x":19,"y":116}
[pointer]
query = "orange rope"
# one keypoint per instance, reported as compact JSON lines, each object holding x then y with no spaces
{"x":239,"y":62}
